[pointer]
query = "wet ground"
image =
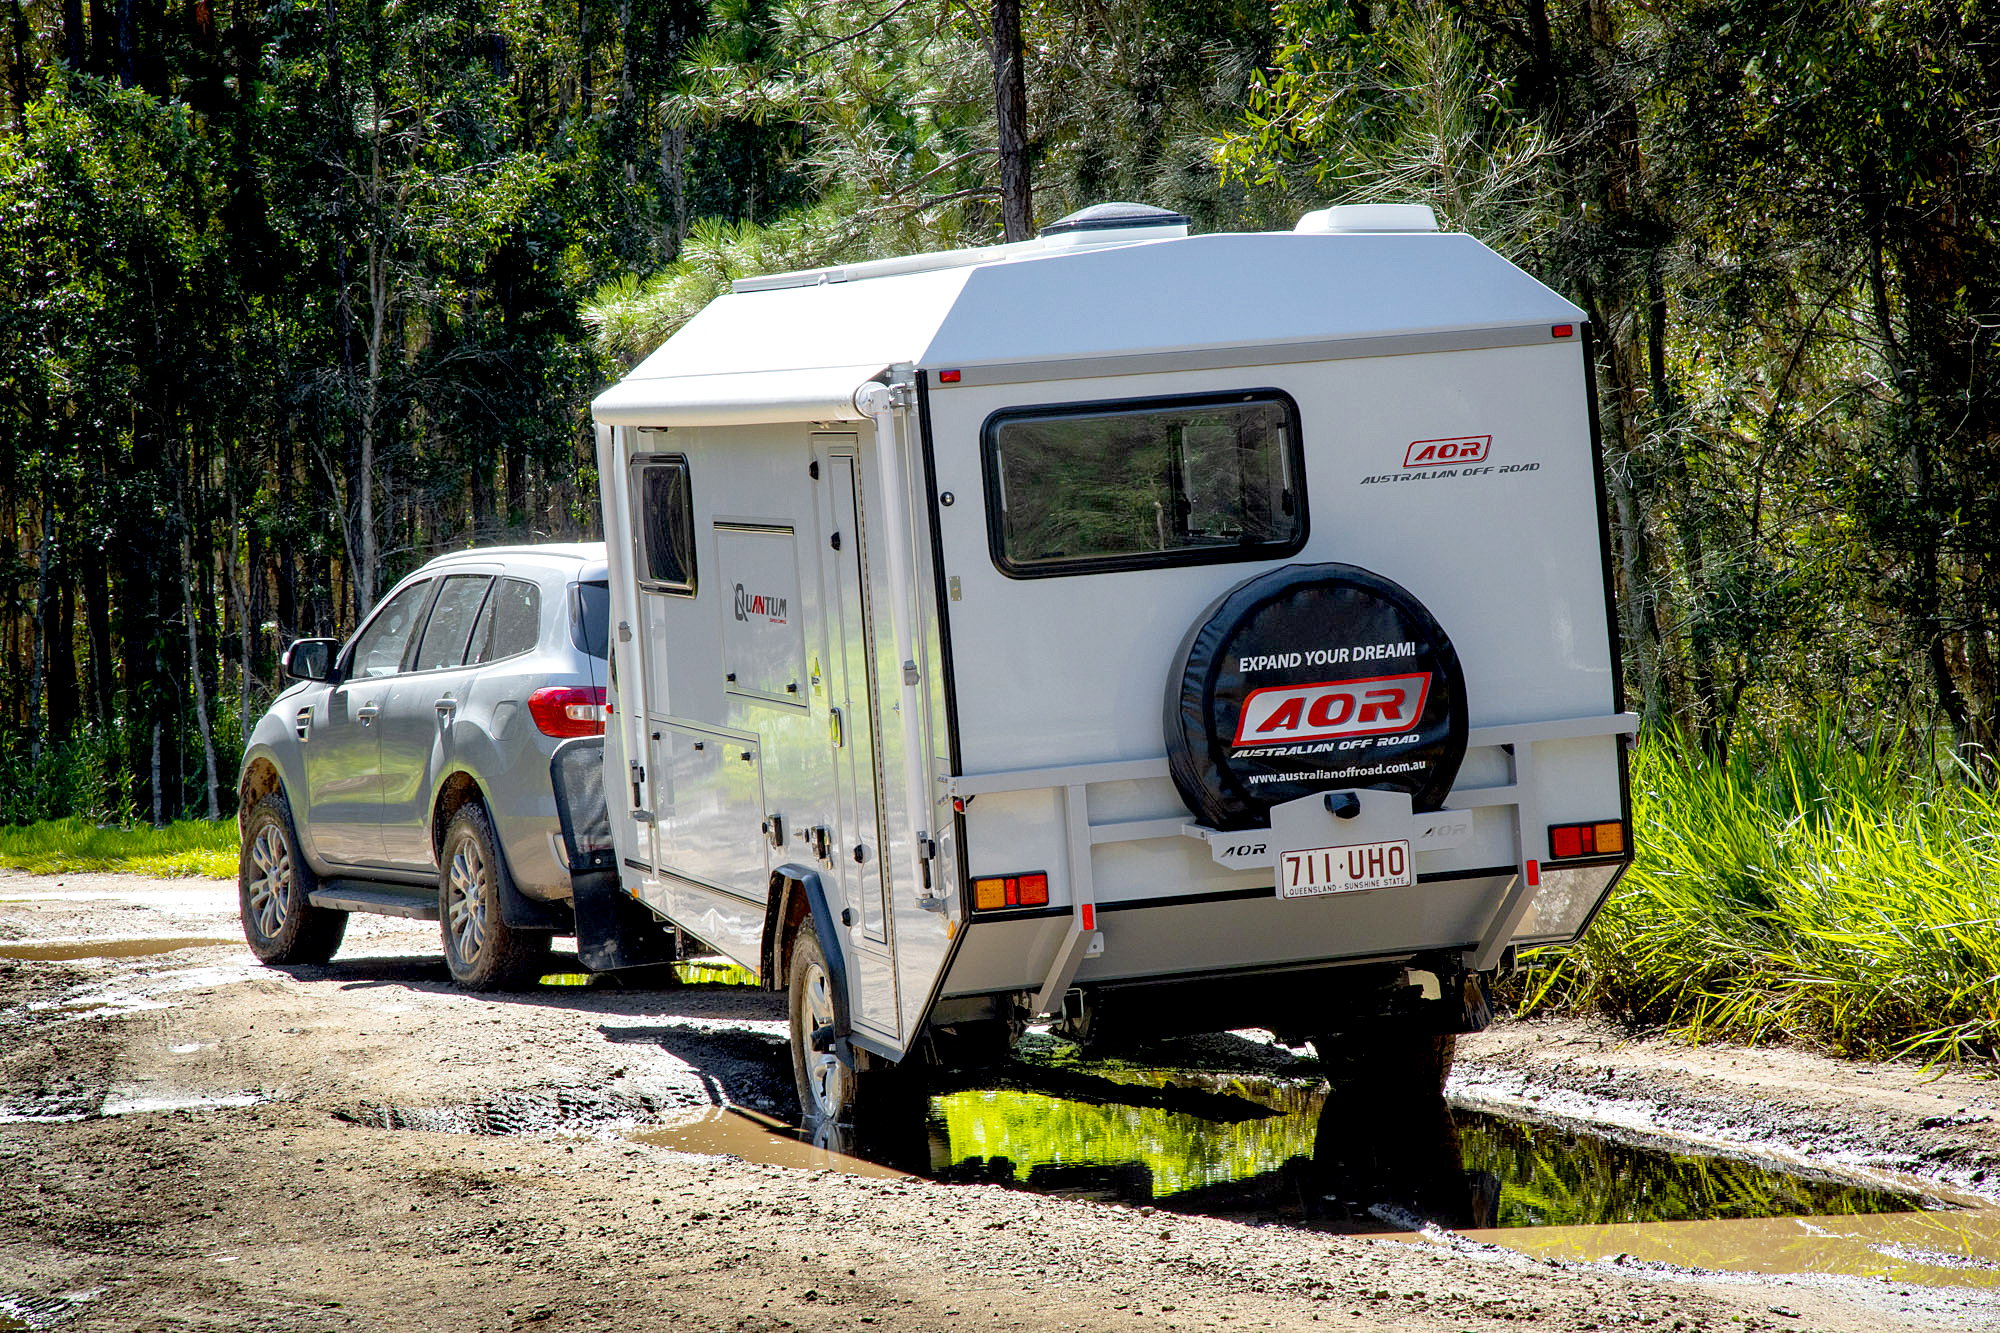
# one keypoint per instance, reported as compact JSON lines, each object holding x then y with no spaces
{"x":201,"y":1142}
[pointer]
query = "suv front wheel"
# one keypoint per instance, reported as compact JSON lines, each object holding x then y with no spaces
{"x":272,"y":881}
{"x":482,"y":951}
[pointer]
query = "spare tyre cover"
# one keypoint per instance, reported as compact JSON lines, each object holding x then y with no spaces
{"x":1313,"y":678}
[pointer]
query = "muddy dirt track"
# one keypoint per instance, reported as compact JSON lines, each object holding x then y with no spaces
{"x":191,"y":1141}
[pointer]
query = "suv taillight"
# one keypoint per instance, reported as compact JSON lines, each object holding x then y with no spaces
{"x":568,"y":710}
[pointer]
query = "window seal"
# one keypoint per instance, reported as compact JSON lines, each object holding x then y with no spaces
{"x":1111,"y":564}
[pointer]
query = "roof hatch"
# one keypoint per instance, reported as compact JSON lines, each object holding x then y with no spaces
{"x":1103,"y":224}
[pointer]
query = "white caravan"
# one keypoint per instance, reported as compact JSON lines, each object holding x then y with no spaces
{"x":1137,"y":631}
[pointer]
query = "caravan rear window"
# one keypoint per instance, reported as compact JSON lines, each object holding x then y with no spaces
{"x":1085,"y":487}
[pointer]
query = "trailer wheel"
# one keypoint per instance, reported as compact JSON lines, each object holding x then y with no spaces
{"x":272,"y":881}
{"x":827,"y":1088}
{"x":483,"y":952}
{"x":1307,"y":679}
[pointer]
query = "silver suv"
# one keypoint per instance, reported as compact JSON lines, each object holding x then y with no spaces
{"x":445,"y":764}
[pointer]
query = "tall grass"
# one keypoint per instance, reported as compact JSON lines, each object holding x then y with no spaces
{"x":1810,"y":888}
{"x":68,"y":846}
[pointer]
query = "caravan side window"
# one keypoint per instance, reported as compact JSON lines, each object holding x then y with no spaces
{"x":1135,"y":483}
{"x":666,"y":523}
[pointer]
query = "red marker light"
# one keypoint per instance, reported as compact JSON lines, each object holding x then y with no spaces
{"x":949,"y":376}
{"x":1534,"y":874}
{"x":1562,"y":331}
{"x":1090,"y":916}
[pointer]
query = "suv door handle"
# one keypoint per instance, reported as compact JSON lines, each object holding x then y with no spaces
{"x":447,"y":705}
{"x":367,"y":713}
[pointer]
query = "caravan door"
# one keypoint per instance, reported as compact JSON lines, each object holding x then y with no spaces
{"x":853,"y":728}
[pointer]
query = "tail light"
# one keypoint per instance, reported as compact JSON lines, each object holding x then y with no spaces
{"x":993,"y":893}
{"x":1603,"y":838}
{"x":568,"y":710}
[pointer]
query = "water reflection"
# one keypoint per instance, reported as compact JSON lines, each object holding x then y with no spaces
{"x":1360,"y":1157}
{"x":1366,"y":1156}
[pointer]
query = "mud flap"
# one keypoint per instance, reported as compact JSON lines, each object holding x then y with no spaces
{"x":615,"y":930}
{"x":521,"y":912}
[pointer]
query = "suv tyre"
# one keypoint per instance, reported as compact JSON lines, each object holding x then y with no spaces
{"x":272,"y":881}
{"x":483,"y":952}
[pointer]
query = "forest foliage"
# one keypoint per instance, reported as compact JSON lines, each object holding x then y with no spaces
{"x":293,"y":296}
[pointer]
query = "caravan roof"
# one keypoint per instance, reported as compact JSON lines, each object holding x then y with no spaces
{"x":795,"y":347}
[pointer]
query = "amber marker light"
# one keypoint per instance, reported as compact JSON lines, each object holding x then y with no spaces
{"x":993,"y":893}
{"x":1605,"y":837}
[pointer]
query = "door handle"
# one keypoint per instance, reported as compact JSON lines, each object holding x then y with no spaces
{"x":367,"y":713}
{"x":447,"y":705}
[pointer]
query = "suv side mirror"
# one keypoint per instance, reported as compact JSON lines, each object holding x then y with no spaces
{"x":311,"y":659}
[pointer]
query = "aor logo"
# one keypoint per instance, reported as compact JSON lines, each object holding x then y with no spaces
{"x":1285,"y":713}
{"x":760,"y":604}
{"x":1458,"y":449}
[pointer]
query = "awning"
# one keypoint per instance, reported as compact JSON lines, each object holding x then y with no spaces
{"x":752,"y":397}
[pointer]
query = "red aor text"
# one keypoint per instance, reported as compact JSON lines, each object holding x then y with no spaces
{"x":1379,"y":705}
{"x":1458,"y":449}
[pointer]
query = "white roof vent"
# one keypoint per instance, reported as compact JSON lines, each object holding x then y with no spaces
{"x":1107,"y":224}
{"x":1368,"y":217}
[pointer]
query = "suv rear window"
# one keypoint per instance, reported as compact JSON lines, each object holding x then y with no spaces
{"x":1129,"y":484}
{"x":590,"y":618}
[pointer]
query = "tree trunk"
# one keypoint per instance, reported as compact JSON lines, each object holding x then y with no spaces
{"x":159,"y":805}
{"x":127,"y":44}
{"x":17,"y":68}
{"x":76,"y":47}
{"x":200,"y":689}
{"x":38,"y":663}
{"x":1010,"y":102}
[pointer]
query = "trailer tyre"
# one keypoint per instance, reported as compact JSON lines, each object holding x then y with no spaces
{"x":272,"y":881}
{"x":483,"y":952}
{"x":1307,"y":679}
{"x":827,"y":1088}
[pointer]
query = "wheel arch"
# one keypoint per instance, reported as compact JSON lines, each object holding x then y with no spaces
{"x":258,"y":779}
{"x":457,"y":788}
{"x":460,"y":789}
{"x":797,"y":893}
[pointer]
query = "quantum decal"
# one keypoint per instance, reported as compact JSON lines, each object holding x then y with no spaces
{"x":760,"y":606}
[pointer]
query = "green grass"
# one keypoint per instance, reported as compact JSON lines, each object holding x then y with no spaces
{"x":64,"y":846}
{"x":1812,"y":888}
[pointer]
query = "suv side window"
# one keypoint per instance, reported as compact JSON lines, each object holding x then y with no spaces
{"x":378,"y":651}
{"x":509,"y":623}
{"x":450,"y":626}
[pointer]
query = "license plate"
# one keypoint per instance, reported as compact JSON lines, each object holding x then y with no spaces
{"x":1350,"y":869}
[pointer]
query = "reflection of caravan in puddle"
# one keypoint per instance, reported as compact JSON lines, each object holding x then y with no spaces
{"x":1149,"y":632}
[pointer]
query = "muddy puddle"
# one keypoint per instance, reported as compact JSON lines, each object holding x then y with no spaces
{"x":736,"y":1132}
{"x":69,"y":951}
{"x":1289,"y":1152}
